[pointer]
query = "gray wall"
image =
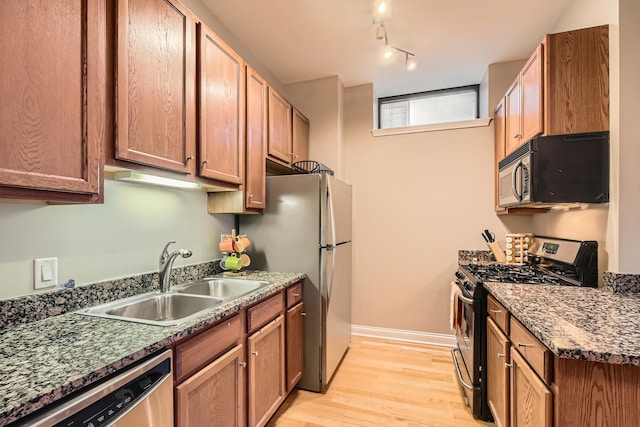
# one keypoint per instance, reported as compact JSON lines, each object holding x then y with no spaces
{"x":122,"y":237}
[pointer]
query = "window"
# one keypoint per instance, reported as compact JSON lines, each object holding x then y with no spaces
{"x":425,"y":108}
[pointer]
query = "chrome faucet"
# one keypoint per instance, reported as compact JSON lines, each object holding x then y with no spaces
{"x":166,"y":262}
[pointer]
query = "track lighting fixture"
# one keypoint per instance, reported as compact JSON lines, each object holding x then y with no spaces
{"x":382,"y":8}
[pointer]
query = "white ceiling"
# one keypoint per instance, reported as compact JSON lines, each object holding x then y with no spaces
{"x":454,"y":40}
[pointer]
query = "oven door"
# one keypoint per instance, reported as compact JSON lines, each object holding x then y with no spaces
{"x":464,"y":355}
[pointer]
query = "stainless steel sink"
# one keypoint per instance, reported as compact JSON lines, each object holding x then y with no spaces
{"x":220,"y":288}
{"x":156,"y":308}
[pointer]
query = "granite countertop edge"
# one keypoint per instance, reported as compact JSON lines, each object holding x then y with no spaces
{"x":50,"y":359}
{"x":576,"y":323}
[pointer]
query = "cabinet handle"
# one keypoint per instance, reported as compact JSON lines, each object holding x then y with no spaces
{"x":303,"y":314}
{"x":508,"y":365}
{"x":243,"y":364}
{"x":296,"y":295}
{"x":250,"y":196}
{"x":205,"y":162}
{"x":495,"y":311}
{"x":190,"y":158}
{"x":502,"y":355}
{"x":255,"y":353}
{"x":521,"y":344}
{"x":517,"y":136}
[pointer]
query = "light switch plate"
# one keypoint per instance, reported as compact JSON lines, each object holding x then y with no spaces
{"x":45,"y":273}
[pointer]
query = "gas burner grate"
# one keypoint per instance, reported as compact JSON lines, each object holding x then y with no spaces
{"x":512,"y":274}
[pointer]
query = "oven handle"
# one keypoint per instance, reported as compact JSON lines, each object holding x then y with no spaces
{"x":465,"y":299}
{"x":455,"y":362}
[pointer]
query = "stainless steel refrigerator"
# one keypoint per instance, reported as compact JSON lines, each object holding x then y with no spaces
{"x":307,"y":228}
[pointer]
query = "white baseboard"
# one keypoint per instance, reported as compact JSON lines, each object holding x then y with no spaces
{"x":442,"y":340}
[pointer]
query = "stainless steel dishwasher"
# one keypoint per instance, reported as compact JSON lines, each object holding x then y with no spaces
{"x":140,"y":396}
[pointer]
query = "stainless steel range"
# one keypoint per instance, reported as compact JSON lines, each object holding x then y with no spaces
{"x":554,"y":262}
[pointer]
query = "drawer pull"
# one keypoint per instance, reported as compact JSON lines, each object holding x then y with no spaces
{"x":508,"y":365}
{"x":521,"y":344}
{"x":243,"y":364}
{"x":495,"y":311}
{"x":303,"y":314}
{"x":255,"y":353}
{"x":296,"y":295}
{"x":502,"y":355}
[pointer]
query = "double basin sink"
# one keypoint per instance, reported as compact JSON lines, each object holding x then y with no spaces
{"x":182,"y":303}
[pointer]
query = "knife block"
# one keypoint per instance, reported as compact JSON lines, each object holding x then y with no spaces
{"x":498,"y":253}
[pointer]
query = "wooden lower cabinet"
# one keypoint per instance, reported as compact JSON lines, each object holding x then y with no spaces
{"x":215,"y":395}
{"x":295,"y":345}
{"x":531,"y":399}
{"x":266,"y":365}
{"x":498,"y":357}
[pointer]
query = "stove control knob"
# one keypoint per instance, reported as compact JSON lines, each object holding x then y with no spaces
{"x":459,"y":275}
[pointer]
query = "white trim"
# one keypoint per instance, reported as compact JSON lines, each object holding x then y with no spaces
{"x":441,"y":340}
{"x":476,"y":123}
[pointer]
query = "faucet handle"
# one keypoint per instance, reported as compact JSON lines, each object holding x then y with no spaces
{"x":165,"y":254}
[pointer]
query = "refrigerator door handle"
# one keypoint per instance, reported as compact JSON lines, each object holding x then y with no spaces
{"x":332,"y":217}
{"x":333,"y":271}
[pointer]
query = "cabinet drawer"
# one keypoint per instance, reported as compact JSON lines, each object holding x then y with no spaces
{"x":200,"y":350}
{"x":262,"y":313}
{"x":294,"y":295}
{"x":533,"y":351}
{"x":499,"y":314}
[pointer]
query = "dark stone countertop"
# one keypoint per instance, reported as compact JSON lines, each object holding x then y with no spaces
{"x":577,"y":323}
{"x":49,"y":359}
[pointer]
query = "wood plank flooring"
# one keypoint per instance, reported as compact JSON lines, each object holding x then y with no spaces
{"x":383,"y":383}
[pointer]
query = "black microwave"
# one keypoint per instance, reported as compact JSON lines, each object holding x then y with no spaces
{"x":556,"y":170}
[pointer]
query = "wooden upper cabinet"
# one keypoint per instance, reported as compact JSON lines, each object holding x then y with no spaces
{"x":256,"y":172}
{"x":499,"y":141}
{"x":576,"y":76}
{"x":52,"y":114}
{"x":531,"y":96}
{"x":300,"y":136}
{"x":524,"y":118}
{"x":221,"y":109}
{"x":155,"y":75}
{"x":280,"y":136}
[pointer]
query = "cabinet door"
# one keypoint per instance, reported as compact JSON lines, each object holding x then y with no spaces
{"x":266,"y":371}
{"x":498,"y":374}
{"x":222,"y":109}
{"x":300,"y":136}
{"x":215,"y":395}
{"x":531,"y":400}
{"x":52,"y":81}
{"x":512,"y":117}
{"x":279,"y":142}
{"x":499,"y":147}
{"x":155,"y":98}
{"x":532,"y":102}
{"x":295,"y":345}
{"x":256,"y":140}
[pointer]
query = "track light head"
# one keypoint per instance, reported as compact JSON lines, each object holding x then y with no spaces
{"x":381,"y":33}
{"x":409,"y":62}
{"x":388,"y":51}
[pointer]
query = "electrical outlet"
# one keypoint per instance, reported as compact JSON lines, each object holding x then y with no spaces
{"x":45,"y":273}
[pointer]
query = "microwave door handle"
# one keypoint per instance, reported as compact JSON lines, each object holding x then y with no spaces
{"x":514,"y":179}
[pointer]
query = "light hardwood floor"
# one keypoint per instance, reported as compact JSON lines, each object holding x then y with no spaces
{"x":383,"y":383}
